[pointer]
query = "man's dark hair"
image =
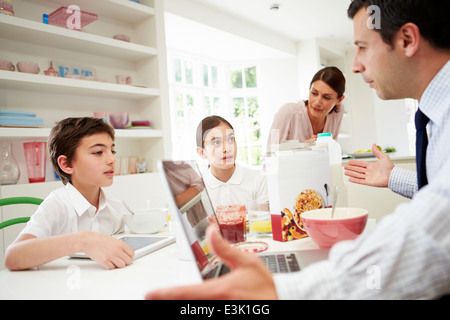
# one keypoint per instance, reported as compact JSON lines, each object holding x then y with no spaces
{"x":430,"y":16}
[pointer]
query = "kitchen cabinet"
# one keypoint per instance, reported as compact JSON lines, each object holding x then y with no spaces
{"x":24,"y":37}
{"x":379,"y":201}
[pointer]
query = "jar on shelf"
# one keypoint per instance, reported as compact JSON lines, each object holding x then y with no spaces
{"x":9,"y":168}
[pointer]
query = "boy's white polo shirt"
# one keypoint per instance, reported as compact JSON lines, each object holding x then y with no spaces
{"x":244,"y":185}
{"x":65,"y":210}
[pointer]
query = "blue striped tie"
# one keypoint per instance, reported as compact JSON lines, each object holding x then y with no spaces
{"x":421,"y":147}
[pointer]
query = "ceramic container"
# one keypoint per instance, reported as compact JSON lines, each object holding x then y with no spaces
{"x":146,"y":220}
{"x":123,"y":79}
{"x":7,"y":65}
{"x":119,"y":120}
{"x":28,"y":67}
{"x":122,"y":37}
{"x":346,"y":224}
{"x":51,"y":72}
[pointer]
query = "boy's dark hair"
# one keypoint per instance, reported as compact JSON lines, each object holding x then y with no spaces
{"x":430,"y":16}
{"x":66,"y":136}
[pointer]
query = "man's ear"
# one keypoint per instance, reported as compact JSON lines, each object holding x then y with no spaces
{"x":201,"y":152}
{"x":64,"y":165}
{"x":408,"y":39}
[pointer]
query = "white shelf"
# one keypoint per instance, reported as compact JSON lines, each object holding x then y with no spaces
{"x":14,"y":28}
{"x":41,"y":133}
{"x":14,"y":80}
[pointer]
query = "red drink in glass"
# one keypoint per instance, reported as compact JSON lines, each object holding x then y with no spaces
{"x":232,"y":222}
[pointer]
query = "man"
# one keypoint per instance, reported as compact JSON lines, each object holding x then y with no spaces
{"x":407,"y":255}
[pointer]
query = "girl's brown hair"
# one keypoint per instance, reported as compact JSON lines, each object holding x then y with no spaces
{"x":207,"y":124}
{"x":66,"y":136}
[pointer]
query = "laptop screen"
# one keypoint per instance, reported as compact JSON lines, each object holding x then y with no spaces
{"x":194,"y":208}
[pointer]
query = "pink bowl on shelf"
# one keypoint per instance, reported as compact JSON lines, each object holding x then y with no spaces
{"x":119,"y":120}
{"x":347,"y":224}
{"x":122,"y":37}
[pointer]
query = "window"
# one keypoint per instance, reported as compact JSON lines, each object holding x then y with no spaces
{"x":201,"y":87}
{"x":246,"y":114}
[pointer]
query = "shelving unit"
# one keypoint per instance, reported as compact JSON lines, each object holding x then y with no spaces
{"x":25,"y":37}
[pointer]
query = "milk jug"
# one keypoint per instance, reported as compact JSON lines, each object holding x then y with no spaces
{"x":326,"y":141}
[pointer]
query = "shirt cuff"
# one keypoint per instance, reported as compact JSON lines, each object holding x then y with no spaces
{"x":403,"y":182}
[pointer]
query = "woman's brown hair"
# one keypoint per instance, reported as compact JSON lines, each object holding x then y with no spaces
{"x":333,"y":77}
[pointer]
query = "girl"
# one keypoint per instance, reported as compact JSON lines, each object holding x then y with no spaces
{"x":227,"y":182}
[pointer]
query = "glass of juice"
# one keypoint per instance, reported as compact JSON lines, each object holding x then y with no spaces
{"x":232,"y":222}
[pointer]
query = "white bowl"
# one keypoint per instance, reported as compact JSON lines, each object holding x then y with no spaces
{"x":146,"y":220}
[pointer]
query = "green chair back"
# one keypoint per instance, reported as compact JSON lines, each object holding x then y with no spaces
{"x":17,"y":200}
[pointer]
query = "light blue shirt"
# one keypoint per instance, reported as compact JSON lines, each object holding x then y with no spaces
{"x":434,"y":104}
{"x":407,"y":255}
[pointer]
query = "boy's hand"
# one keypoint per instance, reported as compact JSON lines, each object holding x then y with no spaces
{"x":106,"y":250}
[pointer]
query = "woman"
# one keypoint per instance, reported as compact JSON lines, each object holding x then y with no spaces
{"x":323,"y":111}
{"x":227,"y":182}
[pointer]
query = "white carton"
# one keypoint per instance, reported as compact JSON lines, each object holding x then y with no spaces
{"x":298,"y":181}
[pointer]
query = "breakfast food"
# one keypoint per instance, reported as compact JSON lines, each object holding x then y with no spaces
{"x":289,"y":229}
{"x":307,"y":200}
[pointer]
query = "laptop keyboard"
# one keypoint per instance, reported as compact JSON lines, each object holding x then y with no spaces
{"x":281,"y":263}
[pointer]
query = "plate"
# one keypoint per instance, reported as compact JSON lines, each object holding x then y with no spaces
{"x":138,"y":127}
{"x":362,"y":155}
{"x":12,"y":113}
{"x":252,"y":246}
{"x":20,"y":121}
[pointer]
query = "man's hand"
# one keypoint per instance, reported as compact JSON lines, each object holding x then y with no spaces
{"x":249,"y":278}
{"x":375,"y":174}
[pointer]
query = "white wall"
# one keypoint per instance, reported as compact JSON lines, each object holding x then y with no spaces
{"x":279,"y":84}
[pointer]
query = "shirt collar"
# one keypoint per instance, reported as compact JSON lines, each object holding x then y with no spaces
{"x":437,"y":91}
{"x":236,"y":178}
{"x":79,"y":202}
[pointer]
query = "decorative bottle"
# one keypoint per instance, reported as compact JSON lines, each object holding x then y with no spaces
{"x":9,"y":168}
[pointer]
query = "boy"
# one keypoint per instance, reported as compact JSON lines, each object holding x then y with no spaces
{"x":79,"y":217}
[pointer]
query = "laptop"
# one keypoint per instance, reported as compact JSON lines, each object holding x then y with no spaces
{"x":194,"y":209}
{"x":141,"y":244}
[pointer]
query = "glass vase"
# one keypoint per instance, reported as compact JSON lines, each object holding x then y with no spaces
{"x":9,"y":168}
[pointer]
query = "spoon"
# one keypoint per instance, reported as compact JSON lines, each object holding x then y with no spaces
{"x":127,"y":207}
{"x":335,"y":196}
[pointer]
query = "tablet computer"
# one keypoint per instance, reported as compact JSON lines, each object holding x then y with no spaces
{"x":141,"y":244}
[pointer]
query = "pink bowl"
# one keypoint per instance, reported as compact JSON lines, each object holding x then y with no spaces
{"x":119,"y":120}
{"x":346,"y":224}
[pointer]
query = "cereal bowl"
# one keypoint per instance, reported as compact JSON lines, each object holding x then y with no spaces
{"x":346,"y":224}
{"x":146,"y":220}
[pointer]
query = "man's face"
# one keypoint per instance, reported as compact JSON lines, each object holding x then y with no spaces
{"x":379,"y":64}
